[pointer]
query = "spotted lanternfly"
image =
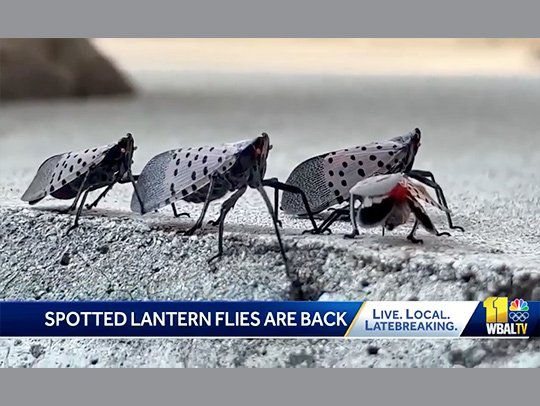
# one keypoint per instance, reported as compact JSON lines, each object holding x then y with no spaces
{"x":325,"y":180}
{"x":389,"y":201}
{"x":68,"y":175}
{"x":205,"y":174}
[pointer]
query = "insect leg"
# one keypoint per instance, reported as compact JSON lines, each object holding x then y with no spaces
{"x":336,"y":214}
{"x":270,"y":182}
{"x":74,"y":204}
{"x":276,"y":205}
{"x":423,"y":176}
{"x":79,"y":210}
{"x":132,"y":178}
{"x":199,"y":222}
{"x":277,"y":185}
{"x":101,"y":196}
{"x":225,"y":208}
{"x":354,"y":232}
{"x":411,"y":236}
{"x":70,"y":208}
{"x":344,"y":213}
{"x":276,"y":228}
{"x":422,"y":217}
{"x":128,"y":177}
{"x":176,"y":214}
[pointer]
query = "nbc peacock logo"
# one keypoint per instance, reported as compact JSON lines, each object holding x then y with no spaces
{"x":519,"y":311}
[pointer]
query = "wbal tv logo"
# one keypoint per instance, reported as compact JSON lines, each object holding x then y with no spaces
{"x":498,"y":312}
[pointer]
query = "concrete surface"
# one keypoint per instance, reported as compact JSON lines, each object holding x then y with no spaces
{"x":481,"y":138}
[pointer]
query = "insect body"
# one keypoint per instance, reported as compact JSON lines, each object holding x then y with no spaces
{"x":389,"y":201}
{"x":326,"y":179}
{"x":68,"y":175}
{"x":205,"y":174}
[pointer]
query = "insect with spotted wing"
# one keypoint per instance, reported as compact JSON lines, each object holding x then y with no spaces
{"x":68,"y":175}
{"x":325,"y":180}
{"x":205,"y":174}
{"x":388,"y":201}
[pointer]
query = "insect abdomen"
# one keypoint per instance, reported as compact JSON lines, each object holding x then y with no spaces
{"x":376,"y":213}
{"x":221,"y":187}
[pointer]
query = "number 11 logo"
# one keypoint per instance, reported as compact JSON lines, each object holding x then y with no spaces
{"x":496,"y":309}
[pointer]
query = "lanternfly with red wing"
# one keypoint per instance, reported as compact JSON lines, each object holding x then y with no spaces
{"x":325,"y":180}
{"x":389,"y":201}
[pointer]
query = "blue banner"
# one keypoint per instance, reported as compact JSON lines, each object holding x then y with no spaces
{"x":176,"y":319}
{"x":495,"y":317}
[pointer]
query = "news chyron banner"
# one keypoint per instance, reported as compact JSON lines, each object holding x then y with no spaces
{"x":495,"y":317}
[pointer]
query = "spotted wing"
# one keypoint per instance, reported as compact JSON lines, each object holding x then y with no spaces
{"x":327,"y":179}
{"x":176,"y":174}
{"x":62,"y":169}
{"x":419,"y":192}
